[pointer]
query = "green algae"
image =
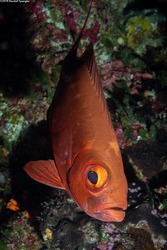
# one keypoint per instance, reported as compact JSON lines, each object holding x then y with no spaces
{"x":3,"y":246}
{"x":143,"y":133}
{"x":84,"y":5}
{"x":164,"y":198}
{"x":105,"y":236}
{"x":80,"y":248}
{"x":107,"y":40}
{"x":129,"y":115}
{"x":165,"y":204}
{"x":6,"y":189}
{"x":123,"y":85}
{"x":41,"y":78}
{"x":163,"y":78}
{"x":114,"y":38}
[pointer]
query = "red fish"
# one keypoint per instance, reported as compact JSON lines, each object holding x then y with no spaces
{"x":87,"y":160}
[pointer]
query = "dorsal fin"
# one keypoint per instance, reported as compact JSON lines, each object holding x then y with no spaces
{"x":70,"y":62}
{"x":89,"y":59}
{"x":74,"y":48}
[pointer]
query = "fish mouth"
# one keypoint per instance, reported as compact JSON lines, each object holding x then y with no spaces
{"x":105,"y":212}
{"x":114,"y":214}
{"x":110,"y":212}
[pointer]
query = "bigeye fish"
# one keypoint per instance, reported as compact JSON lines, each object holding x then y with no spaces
{"x":87,"y":160}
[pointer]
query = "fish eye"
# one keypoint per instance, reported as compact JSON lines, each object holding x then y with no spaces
{"x":93,"y":177}
{"x":96,"y":177}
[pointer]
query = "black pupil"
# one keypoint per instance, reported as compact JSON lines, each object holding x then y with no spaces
{"x":93,"y":177}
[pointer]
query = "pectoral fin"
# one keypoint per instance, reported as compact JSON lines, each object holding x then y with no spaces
{"x":44,"y":172}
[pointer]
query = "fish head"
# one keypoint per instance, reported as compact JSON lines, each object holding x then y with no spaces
{"x":99,"y":188}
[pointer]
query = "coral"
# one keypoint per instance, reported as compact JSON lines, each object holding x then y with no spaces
{"x":12,"y":122}
{"x":132,"y":237}
{"x":117,"y":74}
{"x":117,"y":6}
{"x":21,"y":235}
{"x":54,"y":27}
{"x":142,"y":31}
{"x":161,"y":197}
{"x":90,"y":232}
{"x":133,"y":123}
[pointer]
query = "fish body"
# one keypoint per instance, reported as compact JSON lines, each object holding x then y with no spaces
{"x":87,"y":159}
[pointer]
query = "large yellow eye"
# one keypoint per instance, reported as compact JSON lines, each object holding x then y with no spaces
{"x":96,"y":177}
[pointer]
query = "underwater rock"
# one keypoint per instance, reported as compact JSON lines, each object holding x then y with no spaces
{"x":4,"y":175}
{"x":140,"y":208}
{"x":141,"y":228}
{"x":147,"y":157}
{"x":69,"y":226}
